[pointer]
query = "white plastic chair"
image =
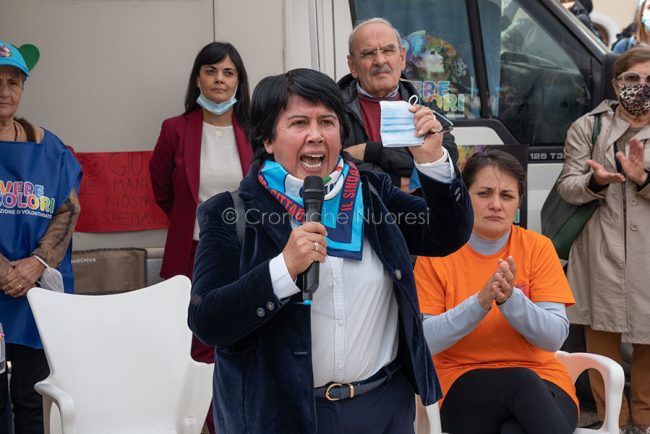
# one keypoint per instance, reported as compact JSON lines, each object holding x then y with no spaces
{"x":613,"y":377}
{"x":121,"y":364}
{"x":427,"y":419}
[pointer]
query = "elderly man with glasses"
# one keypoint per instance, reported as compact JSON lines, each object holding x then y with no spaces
{"x":376,"y":60}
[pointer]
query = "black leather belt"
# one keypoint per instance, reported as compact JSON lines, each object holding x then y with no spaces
{"x":337,"y":391}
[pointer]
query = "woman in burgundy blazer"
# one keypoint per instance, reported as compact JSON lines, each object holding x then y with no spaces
{"x":217,"y":96}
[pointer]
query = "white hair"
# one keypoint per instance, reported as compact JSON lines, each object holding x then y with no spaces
{"x":371,"y":21}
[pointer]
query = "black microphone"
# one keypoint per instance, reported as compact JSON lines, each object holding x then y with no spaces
{"x":312,"y":199}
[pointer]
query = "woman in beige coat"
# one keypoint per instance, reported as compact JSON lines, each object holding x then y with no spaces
{"x":609,"y":263}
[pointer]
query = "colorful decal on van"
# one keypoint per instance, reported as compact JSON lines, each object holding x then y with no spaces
{"x":437,"y":71}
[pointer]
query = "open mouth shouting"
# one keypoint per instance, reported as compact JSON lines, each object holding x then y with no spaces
{"x":312,"y":161}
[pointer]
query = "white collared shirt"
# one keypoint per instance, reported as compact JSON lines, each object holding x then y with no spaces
{"x":354,"y":313}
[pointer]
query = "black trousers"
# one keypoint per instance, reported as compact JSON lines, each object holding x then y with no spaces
{"x":28,"y":367}
{"x":507,"y":401}
{"x":388,"y":409}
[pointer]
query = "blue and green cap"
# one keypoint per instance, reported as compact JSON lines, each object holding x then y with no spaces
{"x":23,"y":58}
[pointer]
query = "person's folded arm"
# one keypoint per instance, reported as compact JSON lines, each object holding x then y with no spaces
{"x":53,"y":246}
{"x":4,"y":269}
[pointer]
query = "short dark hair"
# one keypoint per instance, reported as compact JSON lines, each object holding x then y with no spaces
{"x":630,"y":58}
{"x":502,"y":160}
{"x":212,"y":53}
{"x":271,"y":97}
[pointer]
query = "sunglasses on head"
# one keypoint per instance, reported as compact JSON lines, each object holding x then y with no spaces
{"x":633,"y":78}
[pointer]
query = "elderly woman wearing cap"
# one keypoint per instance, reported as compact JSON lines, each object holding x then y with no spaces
{"x":39,"y":178}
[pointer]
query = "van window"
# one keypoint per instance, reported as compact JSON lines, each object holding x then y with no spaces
{"x":439,"y":58}
{"x":534,"y":88}
{"x":537,"y":90}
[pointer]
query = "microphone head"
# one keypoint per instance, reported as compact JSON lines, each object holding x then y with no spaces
{"x":313,"y":189}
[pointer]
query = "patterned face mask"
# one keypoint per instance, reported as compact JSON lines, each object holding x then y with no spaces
{"x":635,"y":99}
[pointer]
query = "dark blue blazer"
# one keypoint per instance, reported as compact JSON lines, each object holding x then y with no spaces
{"x":263,"y":379}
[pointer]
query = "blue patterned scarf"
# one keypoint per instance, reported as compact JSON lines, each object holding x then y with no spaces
{"x":342,"y":212}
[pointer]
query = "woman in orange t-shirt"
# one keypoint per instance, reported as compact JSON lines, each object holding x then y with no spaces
{"x":494,"y":314}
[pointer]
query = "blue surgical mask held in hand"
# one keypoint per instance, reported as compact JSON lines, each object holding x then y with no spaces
{"x":398,"y":124}
{"x":216,"y":108}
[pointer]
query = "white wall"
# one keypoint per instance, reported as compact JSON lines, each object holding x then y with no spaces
{"x":110,"y":70}
{"x":621,"y":11}
{"x":613,"y":16}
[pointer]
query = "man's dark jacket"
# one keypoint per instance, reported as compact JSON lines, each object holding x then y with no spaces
{"x":263,"y":379}
{"x":396,"y":162}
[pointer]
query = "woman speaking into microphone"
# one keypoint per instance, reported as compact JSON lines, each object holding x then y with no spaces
{"x":352,"y":360}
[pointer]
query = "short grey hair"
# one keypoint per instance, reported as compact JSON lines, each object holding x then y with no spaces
{"x":371,"y":21}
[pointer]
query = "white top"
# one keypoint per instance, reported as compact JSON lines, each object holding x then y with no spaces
{"x":353,"y":317}
{"x":220,"y":166}
{"x":354,"y":312}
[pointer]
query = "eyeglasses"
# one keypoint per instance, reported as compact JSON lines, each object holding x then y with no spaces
{"x":633,"y":78}
{"x":387,"y":51}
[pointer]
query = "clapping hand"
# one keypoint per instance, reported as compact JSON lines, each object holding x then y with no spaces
{"x":602,"y":176}
{"x":505,"y":277}
{"x":499,"y":286}
{"x":633,"y":165}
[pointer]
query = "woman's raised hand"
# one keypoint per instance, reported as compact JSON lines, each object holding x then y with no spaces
{"x":602,"y":176}
{"x":307,"y":244}
{"x":633,"y":165}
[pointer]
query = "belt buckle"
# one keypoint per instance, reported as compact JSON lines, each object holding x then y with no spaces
{"x":333,"y":385}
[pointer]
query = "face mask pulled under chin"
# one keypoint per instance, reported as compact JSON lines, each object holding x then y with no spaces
{"x":216,"y":108}
{"x":397,"y":126}
{"x":635,"y":99}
